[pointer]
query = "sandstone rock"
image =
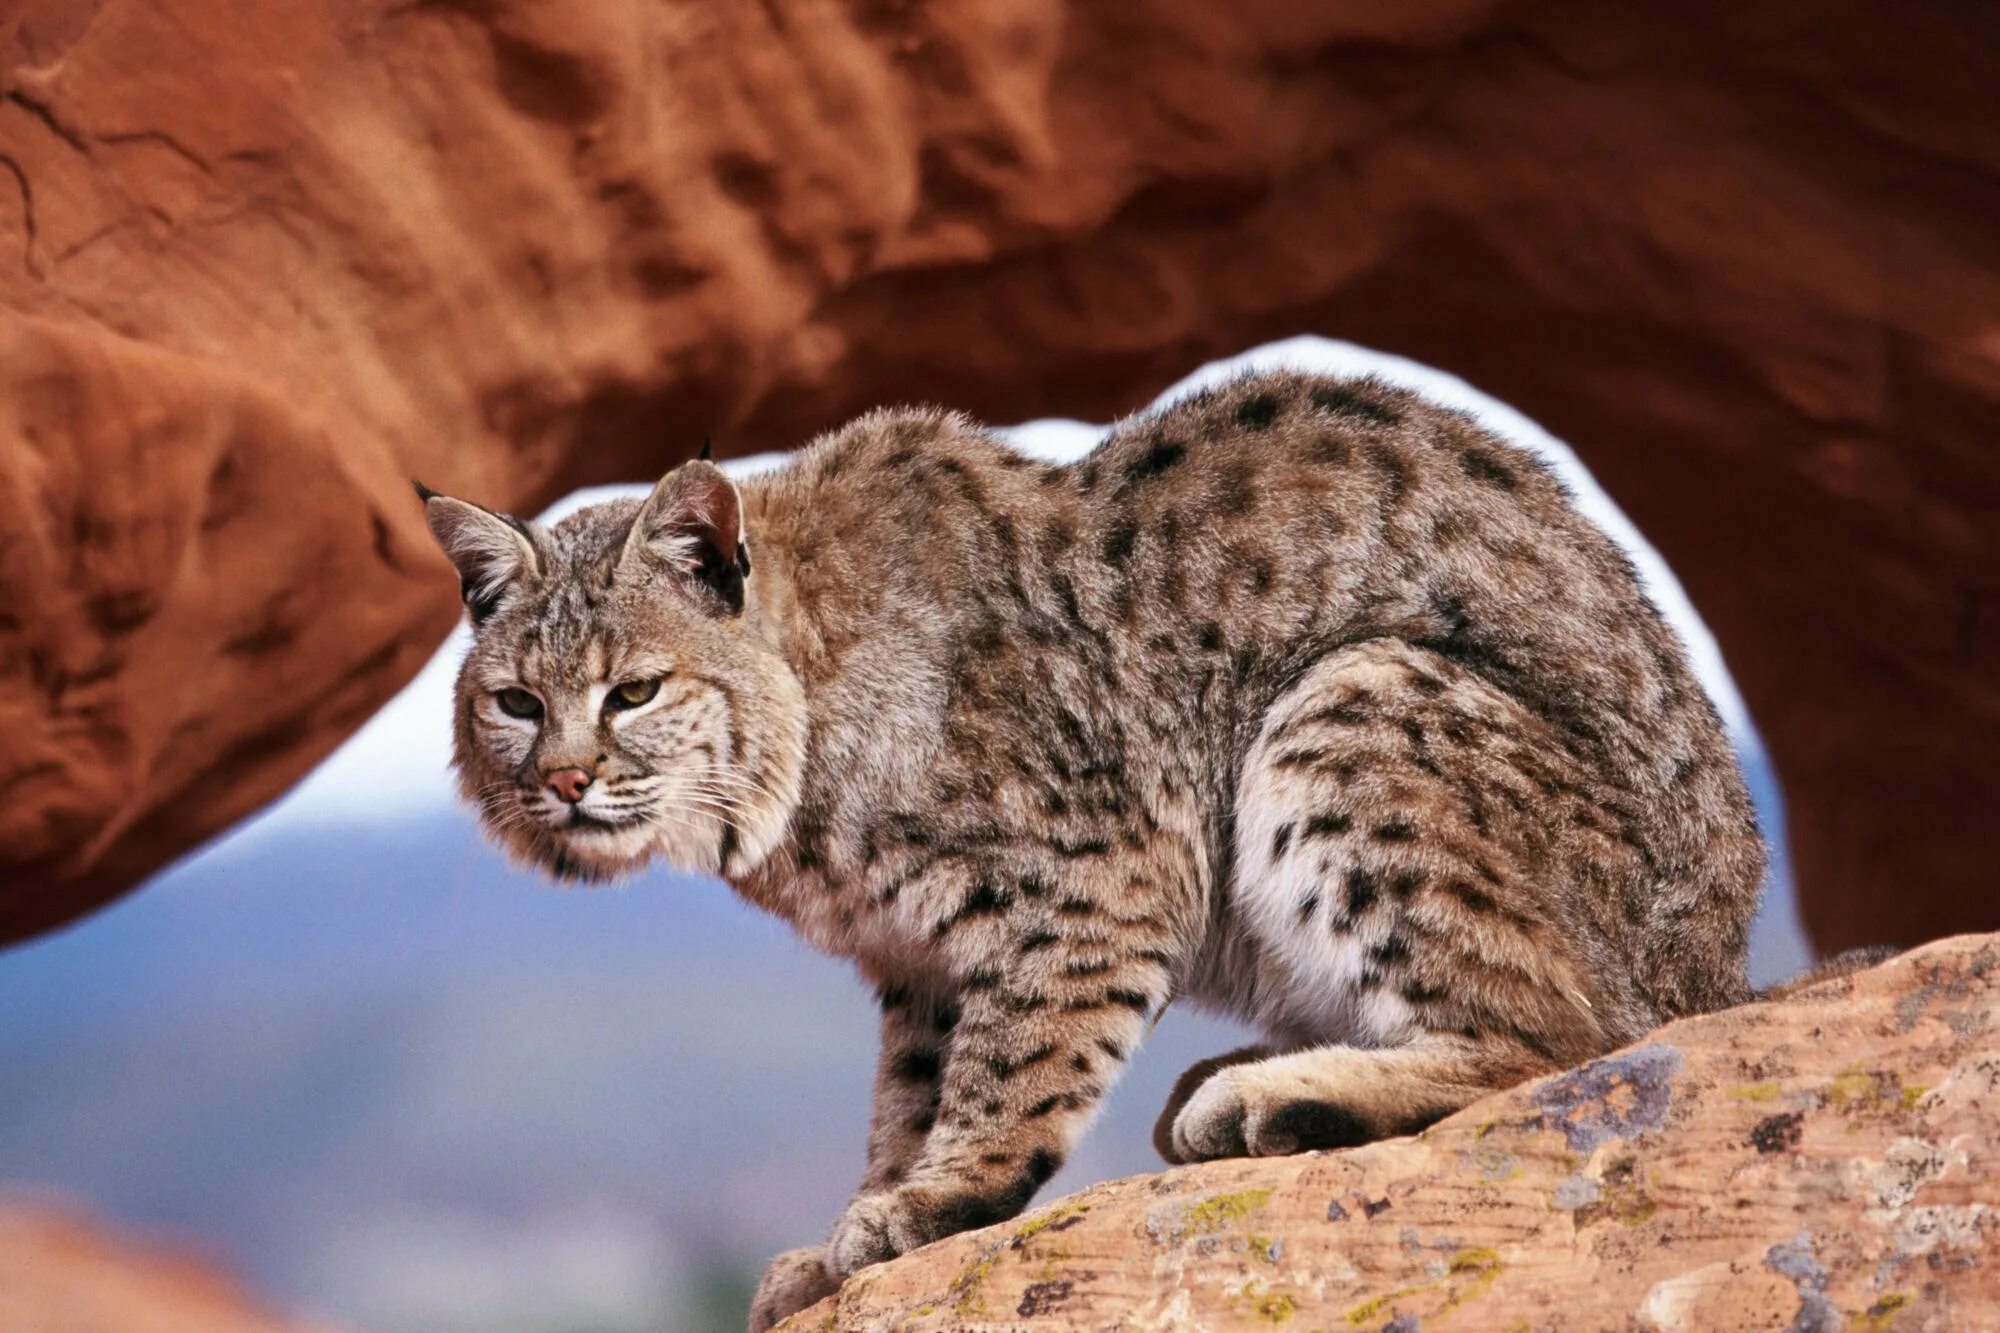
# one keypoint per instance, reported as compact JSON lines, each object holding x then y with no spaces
{"x":260,"y":263}
{"x":60,"y":1274}
{"x":1825,"y":1162}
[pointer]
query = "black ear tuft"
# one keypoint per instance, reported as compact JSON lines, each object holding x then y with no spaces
{"x":707,"y":454}
{"x":424,"y":493}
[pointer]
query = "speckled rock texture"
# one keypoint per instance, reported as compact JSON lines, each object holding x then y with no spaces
{"x":260,"y":263}
{"x":1823,"y":1163}
{"x":59,"y":1273}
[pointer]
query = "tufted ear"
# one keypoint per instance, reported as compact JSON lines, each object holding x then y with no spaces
{"x":492,"y":552}
{"x":692,"y":524}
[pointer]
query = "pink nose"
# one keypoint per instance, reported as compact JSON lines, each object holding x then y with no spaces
{"x":569,"y":783}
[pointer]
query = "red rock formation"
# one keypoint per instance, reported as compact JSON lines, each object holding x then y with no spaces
{"x":1738,"y":1171}
{"x":59,"y":1274}
{"x":261,"y":263}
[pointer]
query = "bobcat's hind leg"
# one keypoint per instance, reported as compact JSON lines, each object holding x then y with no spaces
{"x":1428,"y":888}
{"x":1336,"y":1097}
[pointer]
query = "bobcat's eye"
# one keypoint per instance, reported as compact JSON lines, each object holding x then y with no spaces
{"x":632,"y":693}
{"x":517,"y":702}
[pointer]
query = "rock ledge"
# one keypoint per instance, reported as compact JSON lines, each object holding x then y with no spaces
{"x":1826,"y":1162}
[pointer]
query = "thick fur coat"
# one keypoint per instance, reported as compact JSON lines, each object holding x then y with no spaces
{"x":1303,"y":699}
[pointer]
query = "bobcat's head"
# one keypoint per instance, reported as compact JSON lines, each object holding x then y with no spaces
{"x":621,"y":699}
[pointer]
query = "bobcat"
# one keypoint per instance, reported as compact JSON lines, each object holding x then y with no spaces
{"x":1302,"y":699}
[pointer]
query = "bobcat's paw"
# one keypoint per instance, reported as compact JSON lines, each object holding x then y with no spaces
{"x":1185,"y":1087}
{"x":881,"y":1226}
{"x":795,"y":1279}
{"x":875,"y":1227}
{"x":1234,"y":1115}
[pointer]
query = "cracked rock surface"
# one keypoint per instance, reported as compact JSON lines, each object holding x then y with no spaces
{"x":1821,"y":1163}
{"x":262,"y":263}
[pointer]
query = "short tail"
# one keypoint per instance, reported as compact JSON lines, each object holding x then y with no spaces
{"x":1840,"y":965}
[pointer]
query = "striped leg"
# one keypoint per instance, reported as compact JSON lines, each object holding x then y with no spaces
{"x":908,"y":1075}
{"x":1038,"y":1039}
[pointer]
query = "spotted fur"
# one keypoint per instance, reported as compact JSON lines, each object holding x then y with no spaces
{"x":1303,"y":699}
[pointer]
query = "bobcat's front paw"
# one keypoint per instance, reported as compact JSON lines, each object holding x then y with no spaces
{"x":795,"y":1279}
{"x":881,"y":1226}
{"x":875,"y":1227}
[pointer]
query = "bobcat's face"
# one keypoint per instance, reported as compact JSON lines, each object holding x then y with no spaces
{"x":616,"y":705}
